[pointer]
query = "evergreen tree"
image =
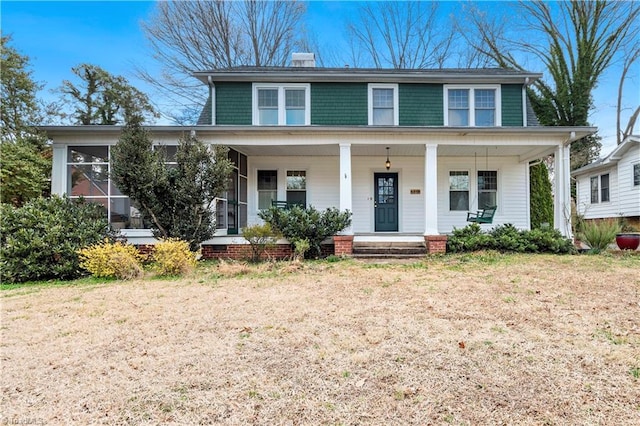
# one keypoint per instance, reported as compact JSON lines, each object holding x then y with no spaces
{"x":176,"y":200}
{"x":541,"y":197}
{"x":25,"y":158}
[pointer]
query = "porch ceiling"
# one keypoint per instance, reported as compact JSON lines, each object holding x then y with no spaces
{"x":525,"y":153}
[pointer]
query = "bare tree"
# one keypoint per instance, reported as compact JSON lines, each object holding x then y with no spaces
{"x":399,"y":35}
{"x":187,"y":36}
{"x":629,"y":60}
{"x":575,"y":41}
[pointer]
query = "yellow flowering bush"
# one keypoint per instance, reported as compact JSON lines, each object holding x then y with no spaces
{"x":112,"y":260}
{"x":172,"y":256}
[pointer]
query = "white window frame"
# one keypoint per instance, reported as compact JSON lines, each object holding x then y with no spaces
{"x":472,"y":99}
{"x":468,"y":190}
{"x":282,"y":112}
{"x":396,"y":112}
{"x":600,"y":188}
{"x":633,"y":182}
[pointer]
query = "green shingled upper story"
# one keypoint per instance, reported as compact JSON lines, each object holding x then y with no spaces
{"x":344,"y":101}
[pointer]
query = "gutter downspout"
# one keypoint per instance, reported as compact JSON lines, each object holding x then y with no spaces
{"x":212,"y":96}
{"x":525,"y":117}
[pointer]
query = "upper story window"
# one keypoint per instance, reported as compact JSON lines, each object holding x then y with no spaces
{"x":474,"y":106}
{"x":281,"y":104}
{"x":383,"y":105}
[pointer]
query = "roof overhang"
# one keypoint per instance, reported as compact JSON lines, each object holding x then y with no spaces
{"x":611,"y":159}
{"x":334,"y":75}
{"x":567,"y":134}
{"x":526,"y":143}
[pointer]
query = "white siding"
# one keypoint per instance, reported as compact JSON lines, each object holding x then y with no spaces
{"x":322,"y":180}
{"x":600,"y":209}
{"x":512,"y":196}
{"x":628,"y":195}
{"x":323,"y":188}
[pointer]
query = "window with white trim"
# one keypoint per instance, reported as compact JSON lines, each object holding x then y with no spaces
{"x":297,"y":187}
{"x":267,"y":188}
{"x":459,"y":190}
{"x":600,"y":189}
{"x":473,"y":106}
{"x":604,"y":188}
{"x":487,"y":189}
{"x":383,"y":105}
{"x":281,"y":104}
{"x":594,"y":189}
{"x":636,"y":174}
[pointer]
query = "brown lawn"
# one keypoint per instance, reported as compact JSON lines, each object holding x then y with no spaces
{"x":471,"y":340}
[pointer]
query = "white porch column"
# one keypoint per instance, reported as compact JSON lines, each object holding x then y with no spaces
{"x":431,"y":189}
{"x":346,"y":198}
{"x":59,"y":170}
{"x":562,"y":198}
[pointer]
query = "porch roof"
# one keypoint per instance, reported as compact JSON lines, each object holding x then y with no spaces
{"x":527,"y":143}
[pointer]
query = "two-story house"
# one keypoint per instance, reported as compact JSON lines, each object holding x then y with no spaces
{"x":408,"y":152}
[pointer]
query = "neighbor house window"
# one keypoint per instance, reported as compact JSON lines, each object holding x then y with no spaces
{"x":383,"y":105}
{"x":281,"y":104}
{"x":604,"y":188}
{"x":594,"y":189}
{"x":267,"y":188}
{"x":297,"y":187}
{"x":458,"y":190}
{"x":88,"y":176}
{"x":487,"y":189}
{"x":476,"y":106}
{"x":636,"y":174}
{"x":600,"y":189}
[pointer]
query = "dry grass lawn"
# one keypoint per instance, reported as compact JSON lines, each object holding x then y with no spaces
{"x":480,"y":339}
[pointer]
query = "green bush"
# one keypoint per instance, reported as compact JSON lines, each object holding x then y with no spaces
{"x":299,"y":223}
{"x":598,"y":234}
{"x":112,"y":260}
{"x":172,"y":256}
{"x":507,"y":238}
{"x":260,"y":237}
{"x":41,"y":240}
{"x":469,"y":238}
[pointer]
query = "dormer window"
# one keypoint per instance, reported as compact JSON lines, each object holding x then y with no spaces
{"x":473,"y":106}
{"x":383,"y":105}
{"x":281,"y":104}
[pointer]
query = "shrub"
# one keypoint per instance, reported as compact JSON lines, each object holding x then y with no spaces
{"x":172,"y":256}
{"x":260,"y":237}
{"x":598,"y":234}
{"x":548,"y":240}
{"x":111,"y":260}
{"x":507,"y":238}
{"x":299,"y":223}
{"x":469,"y":238}
{"x":41,"y":239}
{"x":300,"y":247}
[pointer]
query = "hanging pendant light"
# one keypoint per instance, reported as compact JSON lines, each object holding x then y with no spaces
{"x":387,"y":163}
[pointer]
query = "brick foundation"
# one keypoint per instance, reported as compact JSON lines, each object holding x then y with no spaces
{"x":243,"y":252}
{"x":343,"y":245}
{"x":436,"y":244}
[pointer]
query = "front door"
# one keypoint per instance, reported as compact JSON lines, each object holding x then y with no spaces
{"x":386,"y":202}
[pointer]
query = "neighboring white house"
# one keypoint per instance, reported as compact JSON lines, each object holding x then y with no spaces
{"x":456,"y":139}
{"x":610,"y":187}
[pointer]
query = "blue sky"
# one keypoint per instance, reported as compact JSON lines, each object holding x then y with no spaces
{"x":59,"y":35}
